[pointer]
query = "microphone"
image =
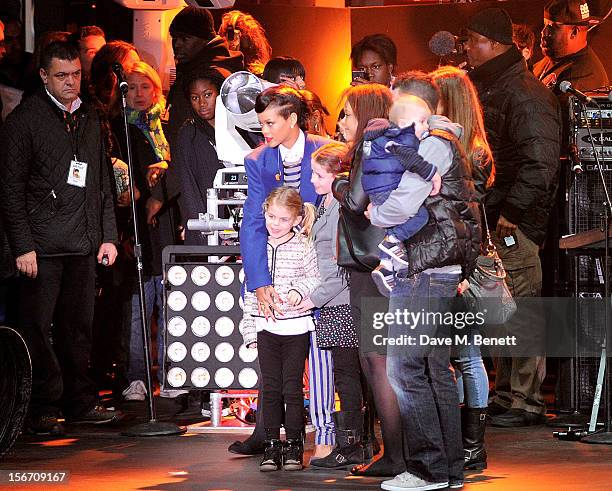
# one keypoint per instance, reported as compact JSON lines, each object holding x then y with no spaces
{"x":444,"y":43}
{"x":566,"y":87}
{"x":121,"y":83}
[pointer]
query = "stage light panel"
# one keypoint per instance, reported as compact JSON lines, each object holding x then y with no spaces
{"x":203,"y":313}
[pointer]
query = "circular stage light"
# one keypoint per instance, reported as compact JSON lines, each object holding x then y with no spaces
{"x":247,"y":378}
{"x":224,"y":275}
{"x":224,"y":352}
{"x":224,"y":326}
{"x":200,"y":377}
{"x":224,"y":301}
{"x":200,"y":351}
{"x":200,"y":301}
{"x":177,"y":275}
{"x":247,"y":355}
{"x":241,"y":302}
{"x":241,"y":275}
{"x":177,"y":351}
{"x":176,"y":377}
{"x":177,"y":301}
{"x":200,"y":275}
{"x":224,"y":377}
{"x":200,"y":326}
{"x":177,"y":326}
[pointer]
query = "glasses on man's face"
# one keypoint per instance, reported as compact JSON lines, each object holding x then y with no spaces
{"x":374,"y":67}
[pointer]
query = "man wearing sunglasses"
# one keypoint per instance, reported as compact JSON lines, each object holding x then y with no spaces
{"x":564,"y":43}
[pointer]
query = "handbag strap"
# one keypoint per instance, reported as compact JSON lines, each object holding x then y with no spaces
{"x":489,"y":248}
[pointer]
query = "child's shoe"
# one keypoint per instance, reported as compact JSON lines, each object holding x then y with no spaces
{"x":273,"y":456}
{"x":293,"y":455}
{"x":395,"y":249}
{"x":384,"y":279}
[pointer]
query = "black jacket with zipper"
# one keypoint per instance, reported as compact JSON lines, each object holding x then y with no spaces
{"x":523,"y":124}
{"x":41,"y":212}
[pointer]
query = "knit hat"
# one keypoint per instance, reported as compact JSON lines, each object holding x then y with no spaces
{"x":194,"y":21}
{"x":571,"y":12}
{"x":493,"y":23}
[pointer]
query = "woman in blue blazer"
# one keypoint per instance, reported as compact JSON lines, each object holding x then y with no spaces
{"x":284,"y":160}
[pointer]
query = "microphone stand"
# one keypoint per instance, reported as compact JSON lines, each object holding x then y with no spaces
{"x":604,"y":437}
{"x":152,"y":427}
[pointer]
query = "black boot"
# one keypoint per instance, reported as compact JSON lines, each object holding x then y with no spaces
{"x":371,"y":447}
{"x":253,"y":445}
{"x":349,"y":449}
{"x":293,"y":454}
{"x":273,"y":456}
{"x":473,"y":424}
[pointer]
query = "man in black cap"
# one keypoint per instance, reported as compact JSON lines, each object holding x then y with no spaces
{"x":522,"y":120}
{"x":196,"y":47}
{"x":564,"y":43}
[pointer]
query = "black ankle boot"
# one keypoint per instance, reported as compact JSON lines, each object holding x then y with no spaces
{"x":293,"y":455}
{"x":371,"y":447}
{"x":473,"y":424}
{"x":273,"y":456}
{"x":247,"y":447}
{"x":349,"y":449}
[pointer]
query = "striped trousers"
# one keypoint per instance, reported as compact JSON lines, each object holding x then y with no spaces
{"x":321,"y":390}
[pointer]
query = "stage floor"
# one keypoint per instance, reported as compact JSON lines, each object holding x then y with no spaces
{"x":99,"y":458}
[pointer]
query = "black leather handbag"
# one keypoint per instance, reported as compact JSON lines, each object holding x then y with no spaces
{"x":358,"y":242}
{"x":358,"y":239}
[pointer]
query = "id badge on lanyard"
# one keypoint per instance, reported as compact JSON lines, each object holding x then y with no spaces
{"x":77,"y":174}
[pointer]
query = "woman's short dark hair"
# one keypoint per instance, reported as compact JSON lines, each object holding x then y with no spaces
{"x":213,"y":74}
{"x":287,"y":100}
{"x":420,"y":84}
{"x":283,"y":65}
{"x":381,"y":44}
{"x":62,"y":50}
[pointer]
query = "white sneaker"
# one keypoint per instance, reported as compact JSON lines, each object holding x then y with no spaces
{"x":135,"y":392}
{"x":172,"y":393}
{"x":406,"y":480}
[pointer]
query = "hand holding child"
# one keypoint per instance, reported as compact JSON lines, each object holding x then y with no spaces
{"x":436,"y":184}
{"x":305,"y":305}
{"x":293,"y":298}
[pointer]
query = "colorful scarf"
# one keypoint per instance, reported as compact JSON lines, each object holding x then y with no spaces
{"x":149,"y":122}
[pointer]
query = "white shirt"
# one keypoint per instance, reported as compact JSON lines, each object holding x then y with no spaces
{"x":75,"y":105}
{"x":296,"y":152}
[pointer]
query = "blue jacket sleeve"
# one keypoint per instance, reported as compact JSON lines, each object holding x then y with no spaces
{"x":253,"y":233}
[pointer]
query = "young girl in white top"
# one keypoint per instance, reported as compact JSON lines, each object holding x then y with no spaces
{"x":283,"y":342}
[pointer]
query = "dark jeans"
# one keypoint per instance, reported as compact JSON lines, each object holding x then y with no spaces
{"x":63,"y":294}
{"x":281,"y":362}
{"x":347,"y":377}
{"x":423,"y":381}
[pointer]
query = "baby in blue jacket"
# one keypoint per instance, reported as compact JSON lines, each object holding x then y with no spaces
{"x":390,"y":149}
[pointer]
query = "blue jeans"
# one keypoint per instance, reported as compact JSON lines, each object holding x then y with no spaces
{"x":153,"y":290}
{"x":423,"y":380}
{"x":410,"y":227}
{"x":472,"y":379}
